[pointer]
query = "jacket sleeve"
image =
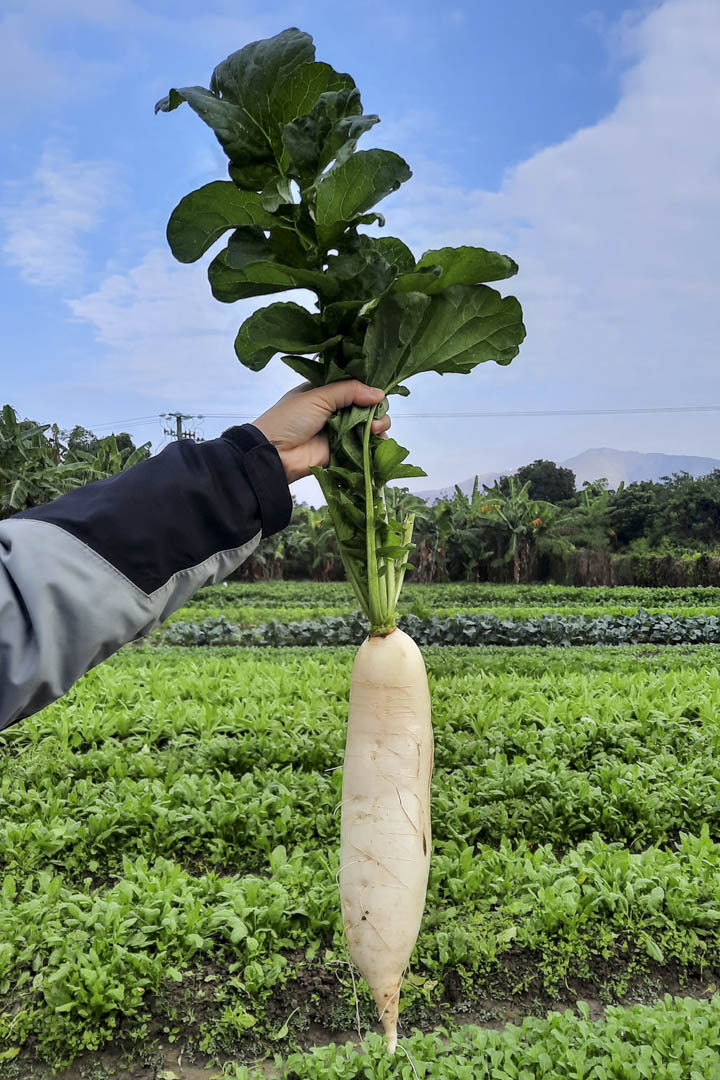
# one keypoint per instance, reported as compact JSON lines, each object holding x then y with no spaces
{"x":104,"y":564}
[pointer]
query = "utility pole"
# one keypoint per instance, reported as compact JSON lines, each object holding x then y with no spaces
{"x":178,"y":432}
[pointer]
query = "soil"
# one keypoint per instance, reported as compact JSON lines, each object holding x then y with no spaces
{"x":318,"y":1010}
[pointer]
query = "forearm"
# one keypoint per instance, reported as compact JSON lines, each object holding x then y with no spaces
{"x":104,"y":564}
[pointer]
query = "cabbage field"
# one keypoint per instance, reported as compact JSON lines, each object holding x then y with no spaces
{"x":169,"y":846}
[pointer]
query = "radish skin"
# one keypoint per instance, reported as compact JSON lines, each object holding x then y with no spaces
{"x":385,"y":818}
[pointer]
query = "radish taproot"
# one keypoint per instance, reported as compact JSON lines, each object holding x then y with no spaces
{"x":298,"y":196}
{"x":385,"y":828}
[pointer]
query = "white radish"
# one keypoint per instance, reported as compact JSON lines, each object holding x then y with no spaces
{"x":385,"y":818}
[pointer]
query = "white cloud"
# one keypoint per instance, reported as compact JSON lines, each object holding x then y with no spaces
{"x":616,"y":234}
{"x":45,"y":218}
{"x":615,"y":231}
{"x":167,"y":338}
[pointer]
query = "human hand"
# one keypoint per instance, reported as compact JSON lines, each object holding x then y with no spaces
{"x":294,"y":425}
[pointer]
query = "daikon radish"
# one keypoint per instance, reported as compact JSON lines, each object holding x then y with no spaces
{"x":298,"y":193}
{"x":385,"y":816}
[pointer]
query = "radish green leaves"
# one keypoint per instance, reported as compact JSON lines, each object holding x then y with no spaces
{"x":298,"y":195}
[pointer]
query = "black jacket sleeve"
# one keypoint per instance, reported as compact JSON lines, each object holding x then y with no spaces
{"x":106,"y":563}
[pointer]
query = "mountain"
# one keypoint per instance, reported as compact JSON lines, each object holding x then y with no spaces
{"x":614,"y":465}
{"x":631,"y":465}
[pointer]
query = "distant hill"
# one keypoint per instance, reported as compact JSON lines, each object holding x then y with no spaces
{"x":615,"y":465}
{"x":630,"y":465}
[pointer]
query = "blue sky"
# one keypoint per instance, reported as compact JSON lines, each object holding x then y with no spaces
{"x":578,"y":137}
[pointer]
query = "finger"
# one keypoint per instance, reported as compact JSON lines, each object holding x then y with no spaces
{"x":341,"y":395}
{"x":318,"y":451}
{"x":379,"y":426}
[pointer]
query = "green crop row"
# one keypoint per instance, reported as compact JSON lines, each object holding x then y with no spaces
{"x":162,"y":709}
{"x":225,"y":757}
{"x":76,"y":964}
{"x":219,"y":819}
{"x":254,"y":615}
{"x":678,"y":1039}
{"x":483,"y":629}
{"x":173,"y":820}
{"x":332,"y":594}
{"x":244,"y":616}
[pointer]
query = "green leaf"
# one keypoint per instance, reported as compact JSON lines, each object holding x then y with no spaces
{"x":452,"y":332}
{"x":299,"y":96}
{"x":347,"y":419}
{"x":274,"y":81}
{"x":248,"y":245}
{"x":392,"y":551}
{"x":406,"y":471}
{"x":387,"y":462}
{"x":258,"y":278}
{"x":395,"y":253}
{"x":204,"y":215}
{"x":311,"y":370}
{"x":353,"y":187}
{"x":361,"y":271}
{"x":250,"y":76}
{"x":253,"y":176}
{"x":246,"y":1020}
{"x":654,"y":949}
{"x":353,"y":478}
{"x":279,"y":328}
{"x":340,"y":316}
{"x":455,"y":266}
{"x":276,"y":193}
{"x":329,"y":131}
{"x":242,"y":142}
{"x":18,"y":494}
{"x":373,"y":218}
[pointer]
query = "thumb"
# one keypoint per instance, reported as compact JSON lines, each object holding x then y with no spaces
{"x":341,"y":395}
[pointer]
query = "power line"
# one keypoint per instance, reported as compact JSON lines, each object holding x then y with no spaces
{"x":566,"y":412}
{"x":131,"y":420}
{"x":519,"y":413}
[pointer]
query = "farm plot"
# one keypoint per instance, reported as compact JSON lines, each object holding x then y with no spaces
{"x":255,"y":605}
{"x":168,"y":852}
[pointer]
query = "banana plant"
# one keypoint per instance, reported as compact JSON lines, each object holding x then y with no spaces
{"x":313,"y":542}
{"x":31,"y":469}
{"x":35,"y":469}
{"x":590,"y":521}
{"x":521,"y":522}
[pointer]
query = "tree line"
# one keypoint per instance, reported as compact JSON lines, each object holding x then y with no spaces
{"x":520,"y":528}
{"x":39,"y":462}
{"x":512,"y":531}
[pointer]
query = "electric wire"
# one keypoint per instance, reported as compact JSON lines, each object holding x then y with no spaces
{"x":517,"y":412}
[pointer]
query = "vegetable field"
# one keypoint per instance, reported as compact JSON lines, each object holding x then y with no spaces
{"x":169,"y":846}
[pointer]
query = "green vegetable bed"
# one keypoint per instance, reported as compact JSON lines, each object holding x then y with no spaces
{"x":169,"y":848}
{"x":484,"y":629}
{"x":679,"y":1038}
{"x":455,"y":595}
